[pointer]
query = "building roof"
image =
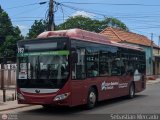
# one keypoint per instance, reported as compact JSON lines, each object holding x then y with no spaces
{"x":119,"y":35}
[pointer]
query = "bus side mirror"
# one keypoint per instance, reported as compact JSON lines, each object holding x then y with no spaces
{"x":74,"y":57}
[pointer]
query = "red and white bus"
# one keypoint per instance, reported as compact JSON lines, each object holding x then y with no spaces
{"x":76,"y":67}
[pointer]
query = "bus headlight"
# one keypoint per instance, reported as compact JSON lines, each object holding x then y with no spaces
{"x":61,"y":97}
{"x":20,"y":96}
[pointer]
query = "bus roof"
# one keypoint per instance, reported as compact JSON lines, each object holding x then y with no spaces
{"x":86,"y":36}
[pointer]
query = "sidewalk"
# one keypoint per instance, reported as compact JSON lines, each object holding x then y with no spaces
{"x":9,"y":105}
{"x":13,"y":104}
{"x":10,"y":94}
{"x":150,"y":82}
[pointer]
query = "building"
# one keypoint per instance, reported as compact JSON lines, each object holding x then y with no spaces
{"x":151,"y":49}
{"x":156,"y":60}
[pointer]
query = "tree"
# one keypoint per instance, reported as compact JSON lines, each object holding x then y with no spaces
{"x":6,"y":27}
{"x":89,"y":24}
{"x":10,"y":34}
{"x":38,"y":27}
{"x":81,"y":22}
{"x":113,"y":22}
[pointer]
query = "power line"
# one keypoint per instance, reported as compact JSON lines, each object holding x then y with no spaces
{"x":144,"y":32}
{"x":146,"y":16}
{"x":26,"y":11}
{"x":46,"y":6}
{"x":111,"y":4}
{"x":115,"y":17}
{"x":101,"y":14}
{"x":76,"y":9}
{"x":148,"y":27}
{"x":103,"y":18}
{"x":40,"y":3}
{"x":25,"y":17}
{"x":62,"y":12}
{"x":22,"y":20}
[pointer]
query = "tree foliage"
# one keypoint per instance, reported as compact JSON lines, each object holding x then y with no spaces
{"x":81,"y":22}
{"x":113,"y":22}
{"x":89,"y":24}
{"x":38,"y":27}
{"x":10,"y":34}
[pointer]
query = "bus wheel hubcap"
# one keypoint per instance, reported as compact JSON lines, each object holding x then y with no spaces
{"x":132,"y":91}
{"x":92,"y":98}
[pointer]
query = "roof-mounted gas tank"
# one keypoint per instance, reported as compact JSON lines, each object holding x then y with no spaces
{"x":76,"y":34}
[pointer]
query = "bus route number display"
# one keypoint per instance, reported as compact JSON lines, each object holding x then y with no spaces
{"x":20,"y":50}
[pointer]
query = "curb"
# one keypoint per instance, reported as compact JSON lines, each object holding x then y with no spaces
{"x":15,"y":107}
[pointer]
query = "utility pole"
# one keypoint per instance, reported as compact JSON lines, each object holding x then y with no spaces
{"x":51,"y":24}
{"x":151,"y":54}
{"x":158,"y":44}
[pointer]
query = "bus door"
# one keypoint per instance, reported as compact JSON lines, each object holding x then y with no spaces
{"x":78,"y":76}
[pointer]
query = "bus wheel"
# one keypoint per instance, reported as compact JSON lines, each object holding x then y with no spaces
{"x":131,"y":91}
{"x":92,"y":98}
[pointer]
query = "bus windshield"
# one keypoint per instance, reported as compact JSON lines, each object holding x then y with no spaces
{"x":43,"y":69}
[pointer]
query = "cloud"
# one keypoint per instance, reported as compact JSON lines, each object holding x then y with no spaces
{"x":84,"y":14}
{"x":24,"y":29}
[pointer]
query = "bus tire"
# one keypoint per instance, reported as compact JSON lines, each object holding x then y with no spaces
{"x":91,"y":99}
{"x":131,"y":91}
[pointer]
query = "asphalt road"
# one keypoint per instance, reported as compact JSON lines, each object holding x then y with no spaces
{"x":146,"y":102}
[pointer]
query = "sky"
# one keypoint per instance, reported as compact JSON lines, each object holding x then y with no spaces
{"x":140,"y":16}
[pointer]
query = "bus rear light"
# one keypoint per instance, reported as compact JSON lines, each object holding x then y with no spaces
{"x":61,"y":97}
{"x":20,"y":96}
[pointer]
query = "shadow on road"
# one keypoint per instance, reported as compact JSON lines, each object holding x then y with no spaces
{"x":80,"y":109}
{"x":117,"y":101}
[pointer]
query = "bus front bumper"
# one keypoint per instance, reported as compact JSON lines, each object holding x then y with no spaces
{"x":43,"y":99}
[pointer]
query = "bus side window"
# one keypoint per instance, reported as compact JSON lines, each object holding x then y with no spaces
{"x":92,"y":65}
{"x":94,"y":68}
{"x":103,"y":64}
{"x":115,"y":70}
